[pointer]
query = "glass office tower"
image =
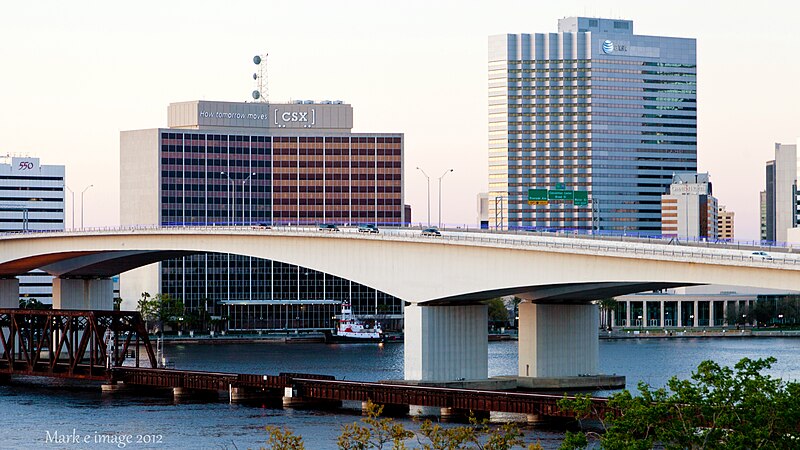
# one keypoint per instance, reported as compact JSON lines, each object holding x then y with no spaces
{"x":254,"y":165}
{"x":591,"y":108}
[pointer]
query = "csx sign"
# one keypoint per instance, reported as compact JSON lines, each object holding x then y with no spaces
{"x":305,"y":119}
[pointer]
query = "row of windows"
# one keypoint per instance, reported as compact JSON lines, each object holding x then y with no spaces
{"x":638,"y":106}
{"x":646,"y":99}
{"x":643,"y":80}
{"x":604,"y":140}
{"x":245,"y":138}
{"x":599,"y":70}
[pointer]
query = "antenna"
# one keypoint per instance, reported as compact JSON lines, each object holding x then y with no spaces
{"x":261,"y":93}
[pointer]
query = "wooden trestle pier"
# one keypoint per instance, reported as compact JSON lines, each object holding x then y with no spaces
{"x":113,"y":347}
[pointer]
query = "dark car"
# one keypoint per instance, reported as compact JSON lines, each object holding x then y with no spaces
{"x":431,"y":232}
{"x":368,"y":228}
{"x":328,"y":227}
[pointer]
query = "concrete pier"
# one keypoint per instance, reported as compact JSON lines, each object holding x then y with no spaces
{"x":251,"y":395}
{"x":180,"y":394}
{"x":558,"y":340}
{"x":9,"y":293}
{"x":83,"y":293}
{"x":291,"y":399}
{"x":446,"y":343}
{"x":461,"y":415}
{"x":389,"y":410}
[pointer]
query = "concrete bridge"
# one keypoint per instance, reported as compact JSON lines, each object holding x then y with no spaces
{"x":442,"y":278}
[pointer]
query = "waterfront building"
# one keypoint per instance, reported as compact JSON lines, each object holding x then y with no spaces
{"x":781,"y":193}
{"x":725,"y":228}
{"x":696,"y":306}
{"x":592,"y":108}
{"x":260,"y":165}
{"x":689,"y":211}
{"x":32,"y":199}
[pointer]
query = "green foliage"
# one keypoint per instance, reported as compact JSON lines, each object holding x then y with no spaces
{"x":375,"y":433}
{"x":283,"y":439}
{"x":32,"y":303}
{"x":498,"y":313}
{"x":163,"y":308}
{"x":717,"y":408}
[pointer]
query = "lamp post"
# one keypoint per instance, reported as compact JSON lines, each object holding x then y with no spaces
{"x":640,"y":323}
{"x":780,"y":318}
{"x":72,"y":193}
{"x":429,"y":193}
{"x":440,"y":195}
{"x":691,"y":317}
{"x":230,"y":184}
{"x":251,"y":197}
{"x":83,"y":192}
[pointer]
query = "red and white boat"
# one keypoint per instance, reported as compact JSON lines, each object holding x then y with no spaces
{"x":351,"y":329}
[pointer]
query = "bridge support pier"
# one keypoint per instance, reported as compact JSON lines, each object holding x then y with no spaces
{"x":558,"y":340}
{"x":446,"y":343}
{"x":389,"y":410}
{"x":9,"y":293}
{"x":252,"y":395}
{"x":79,"y":293}
{"x":291,"y":399}
{"x":461,"y":415}
{"x":183,"y":394}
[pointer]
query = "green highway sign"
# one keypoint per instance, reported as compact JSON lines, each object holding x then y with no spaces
{"x":580,"y":198}
{"x":537,"y":196}
{"x":543,"y":196}
{"x":559,"y":194}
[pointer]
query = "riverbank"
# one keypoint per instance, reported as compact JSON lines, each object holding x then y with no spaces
{"x":705,"y":333}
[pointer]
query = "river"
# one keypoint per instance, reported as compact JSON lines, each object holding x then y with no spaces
{"x":40,"y":413}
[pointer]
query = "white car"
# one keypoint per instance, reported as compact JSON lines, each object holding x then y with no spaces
{"x":764,"y":256}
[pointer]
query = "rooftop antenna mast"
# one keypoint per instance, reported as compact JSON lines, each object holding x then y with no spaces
{"x":261,"y":93}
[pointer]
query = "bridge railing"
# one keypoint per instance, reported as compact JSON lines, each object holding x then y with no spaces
{"x":715,"y":251}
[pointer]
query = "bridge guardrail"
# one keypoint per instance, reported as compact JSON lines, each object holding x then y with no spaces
{"x":539,"y":239}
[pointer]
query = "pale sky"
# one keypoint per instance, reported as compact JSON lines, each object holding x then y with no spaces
{"x":74,"y":74}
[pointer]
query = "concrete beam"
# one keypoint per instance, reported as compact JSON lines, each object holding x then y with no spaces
{"x":75,"y":293}
{"x":558,"y":340}
{"x":9,"y":293}
{"x":446,"y":343}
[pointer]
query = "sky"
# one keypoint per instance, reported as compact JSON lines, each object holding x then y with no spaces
{"x":74,"y":74}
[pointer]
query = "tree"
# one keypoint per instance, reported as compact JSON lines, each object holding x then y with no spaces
{"x":378,"y":433}
{"x":719,"y":407}
{"x":283,"y":439}
{"x":498,"y":313}
{"x":163,"y":309}
{"x":607,"y":307}
{"x":32,"y":303}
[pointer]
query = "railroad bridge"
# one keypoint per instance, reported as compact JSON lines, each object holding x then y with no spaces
{"x":113,"y":347}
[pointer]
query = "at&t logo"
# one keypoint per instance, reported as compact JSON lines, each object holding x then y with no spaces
{"x":608,"y":47}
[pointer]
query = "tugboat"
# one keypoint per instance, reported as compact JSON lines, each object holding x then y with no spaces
{"x":351,"y":329}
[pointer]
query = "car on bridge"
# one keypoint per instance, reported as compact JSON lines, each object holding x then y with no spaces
{"x":368,"y":228}
{"x":764,"y":256}
{"x":327,"y":227}
{"x":431,"y":232}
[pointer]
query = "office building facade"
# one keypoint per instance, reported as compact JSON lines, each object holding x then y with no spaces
{"x":32,"y":199}
{"x":689,"y":211}
{"x":780,"y":193}
{"x":258,"y":164}
{"x":725,"y":224}
{"x":592,"y":108}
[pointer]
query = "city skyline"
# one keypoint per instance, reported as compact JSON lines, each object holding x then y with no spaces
{"x":83,"y":72}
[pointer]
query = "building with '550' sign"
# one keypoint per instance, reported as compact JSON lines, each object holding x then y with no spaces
{"x":259,"y":164}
